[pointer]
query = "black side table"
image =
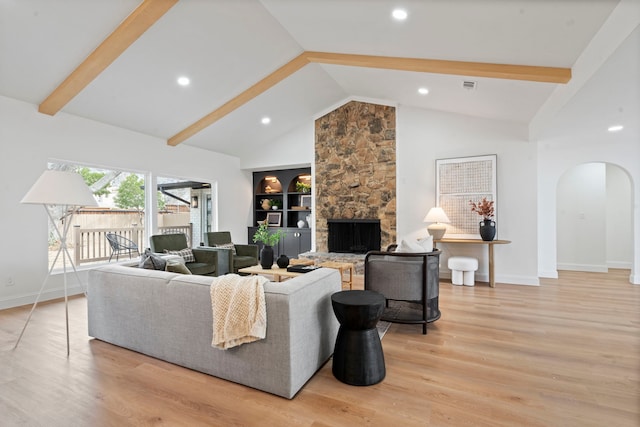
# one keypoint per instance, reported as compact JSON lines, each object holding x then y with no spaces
{"x":358,"y":358}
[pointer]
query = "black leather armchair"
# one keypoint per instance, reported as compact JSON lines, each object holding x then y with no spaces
{"x":206,"y":262}
{"x":409,"y":277}
{"x":245,"y":256}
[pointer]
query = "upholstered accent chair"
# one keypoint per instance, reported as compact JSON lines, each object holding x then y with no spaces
{"x":244,"y":256}
{"x":205,"y":261}
{"x":406,"y":277}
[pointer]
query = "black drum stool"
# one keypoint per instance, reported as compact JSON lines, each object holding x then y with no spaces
{"x":358,"y":358}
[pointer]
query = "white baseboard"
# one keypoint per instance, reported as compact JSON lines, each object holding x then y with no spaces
{"x":505,"y":279}
{"x":619,"y":264}
{"x":584,"y":267}
{"x":518,"y":280}
{"x":634,"y":279}
{"x":28,"y":299}
{"x":551,"y":274}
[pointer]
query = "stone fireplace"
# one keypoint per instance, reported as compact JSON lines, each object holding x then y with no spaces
{"x":355,"y":169}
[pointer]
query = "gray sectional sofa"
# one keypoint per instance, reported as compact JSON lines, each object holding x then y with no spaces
{"x":168,"y":316}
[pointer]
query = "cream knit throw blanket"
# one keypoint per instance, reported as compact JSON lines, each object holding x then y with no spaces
{"x":239,"y":310}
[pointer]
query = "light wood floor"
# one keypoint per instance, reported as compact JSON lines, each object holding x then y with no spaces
{"x":566,"y":353}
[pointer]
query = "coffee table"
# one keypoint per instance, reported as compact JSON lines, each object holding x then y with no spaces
{"x":342,"y":267}
{"x":277,"y":272}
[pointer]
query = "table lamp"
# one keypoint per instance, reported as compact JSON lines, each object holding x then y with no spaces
{"x":438,"y":218}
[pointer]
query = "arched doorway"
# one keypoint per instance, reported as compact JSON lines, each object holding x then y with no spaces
{"x":594,"y":217}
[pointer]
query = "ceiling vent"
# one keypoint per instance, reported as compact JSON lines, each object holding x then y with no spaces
{"x":469,"y":85}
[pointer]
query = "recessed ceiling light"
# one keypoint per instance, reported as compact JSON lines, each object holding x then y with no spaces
{"x":615,"y":128}
{"x":423,"y":91}
{"x":183,"y":81}
{"x":399,"y":14}
{"x":265,"y":120}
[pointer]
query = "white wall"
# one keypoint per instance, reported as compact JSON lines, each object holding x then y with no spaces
{"x":424,"y":136}
{"x":619,"y":219}
{"x":581,"y":218}
{"x":29,"y":139}
{"x":292,"y":150}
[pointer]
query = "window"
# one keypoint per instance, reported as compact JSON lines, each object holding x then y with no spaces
{"x":121,"y":210}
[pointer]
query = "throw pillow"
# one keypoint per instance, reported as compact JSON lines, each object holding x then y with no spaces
{"x":227,"y":246}
{"x":411,"y":247}
{"x":186,"y":253}
{"x":426,"y":243}
{"x":152,"y":261}
{"x":178,"y":268}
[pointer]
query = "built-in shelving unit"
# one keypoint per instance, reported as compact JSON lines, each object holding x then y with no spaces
{"x":283,"y":199}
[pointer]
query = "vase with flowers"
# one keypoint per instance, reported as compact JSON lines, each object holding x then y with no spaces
{"x":486,"y":210}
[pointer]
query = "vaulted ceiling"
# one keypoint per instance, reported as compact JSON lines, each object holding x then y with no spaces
{"x":247,"y":59}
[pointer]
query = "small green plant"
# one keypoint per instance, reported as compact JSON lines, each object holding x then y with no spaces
{"x":277,"y":203}
{"x":269,"y":239}
{"x":302,"y":187}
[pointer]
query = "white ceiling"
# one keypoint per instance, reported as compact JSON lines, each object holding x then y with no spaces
{"x":225,"y":46}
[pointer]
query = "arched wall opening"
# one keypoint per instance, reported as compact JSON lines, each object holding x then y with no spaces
{"x":594,"y":218}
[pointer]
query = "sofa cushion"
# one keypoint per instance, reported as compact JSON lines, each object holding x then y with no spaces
{"x":243,"y":261}
{"x":426,"y":243}
{"x":409,"y":246}
{"x":152,"y":261}
{"x":201,"y":268}
{"x":185,"y":253}
{"x":227,"y":246}
{"x":178,"y":268}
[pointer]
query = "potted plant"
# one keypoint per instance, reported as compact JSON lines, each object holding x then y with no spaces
{"x":486,"y":210}
{"x":276,"y":204}
{"x":302,"y":187}
{"x":269,"y":240}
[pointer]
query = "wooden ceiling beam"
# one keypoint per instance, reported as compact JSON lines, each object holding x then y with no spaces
{"x":474,"y":69}
{"x":139,"y":21}
{"x":263,"y":85}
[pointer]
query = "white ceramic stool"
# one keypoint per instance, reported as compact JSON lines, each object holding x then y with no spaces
{"x":462,"y":270}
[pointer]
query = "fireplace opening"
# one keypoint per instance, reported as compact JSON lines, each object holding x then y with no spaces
{"x":356,"y":236}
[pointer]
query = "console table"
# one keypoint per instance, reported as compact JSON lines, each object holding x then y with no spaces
{"x":490,"y":244}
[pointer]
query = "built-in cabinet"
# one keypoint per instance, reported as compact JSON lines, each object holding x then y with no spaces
{"x":282,"y":198}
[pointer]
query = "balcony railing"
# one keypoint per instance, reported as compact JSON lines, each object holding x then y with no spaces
{"x":91,"y":245}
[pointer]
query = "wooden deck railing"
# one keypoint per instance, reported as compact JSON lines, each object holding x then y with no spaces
{"x":91,"y":245}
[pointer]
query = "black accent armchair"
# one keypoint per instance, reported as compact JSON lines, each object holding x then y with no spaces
{"x":245,"y":256}
{"x":206,"y":262}
{"x":407,"y":277}
{"x":120,"y":245}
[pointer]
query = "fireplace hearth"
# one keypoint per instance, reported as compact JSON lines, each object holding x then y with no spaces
{"x":357,"y":236}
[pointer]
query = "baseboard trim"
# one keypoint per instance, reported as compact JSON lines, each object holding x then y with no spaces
{"x":584,"y":267}
{"x":552,"y":274}
{"x":619,"y":264}
{"x":504,"y":279}
{"x":47,"y":295}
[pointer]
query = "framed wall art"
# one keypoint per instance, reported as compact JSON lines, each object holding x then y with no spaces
{"x":274,"y":219}
{"x":459,"y":180}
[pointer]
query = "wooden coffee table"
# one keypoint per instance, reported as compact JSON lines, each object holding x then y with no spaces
{"x":277,"y":272}
{"x":342,"y":267}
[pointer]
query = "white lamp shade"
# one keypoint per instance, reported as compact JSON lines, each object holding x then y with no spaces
{"x":436,"y":215}
{"x":60,"y":188}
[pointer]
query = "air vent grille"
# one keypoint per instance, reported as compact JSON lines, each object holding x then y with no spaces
{"x":469,"y":85}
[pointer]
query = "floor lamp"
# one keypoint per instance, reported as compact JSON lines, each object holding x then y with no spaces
{"x":66,"y":191}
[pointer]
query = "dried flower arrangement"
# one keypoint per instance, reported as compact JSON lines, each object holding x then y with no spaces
{"x":484,"y":208}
